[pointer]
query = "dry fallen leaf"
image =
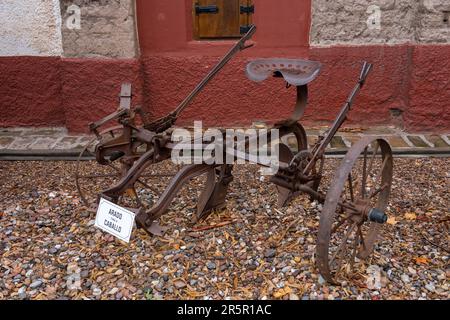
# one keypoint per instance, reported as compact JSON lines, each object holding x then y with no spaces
{"x":410,"y":216}
{"x":282,"y":292}
{"x":392,"y":221}
{"x":421,"y":260}
{"x":195,"y":294}
{"x":131,"y":193}
{"x":111,"y":270}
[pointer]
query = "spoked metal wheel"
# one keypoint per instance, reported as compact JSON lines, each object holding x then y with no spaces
{"x":92,"y":178}
{"x":354,"y":208}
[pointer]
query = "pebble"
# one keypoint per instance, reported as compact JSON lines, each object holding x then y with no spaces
{"x":22,"y":292}
{"x":442,"y":276}
{"x":430,"y":287}
{"x":179,"y":284}
{"x":158,"y":296}
{"x":296,"y":272}
{"x":193,"y":282}
{"x":97,"y":291}
{"x":293,"y":296}
{"x":223,"y":267}
{"x":286,"y":269}
{"x":85,"y":214}
{"x":412,"y":271}
{"x":252,"y":266}
{"x":270,"y":253}
{"x":405,"y":278}
{"x":36,"y":284}
{"x":113,"y":291}
{"x":211,"y":265}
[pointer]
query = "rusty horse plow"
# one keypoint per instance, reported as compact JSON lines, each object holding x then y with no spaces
{"x":354,"y":205}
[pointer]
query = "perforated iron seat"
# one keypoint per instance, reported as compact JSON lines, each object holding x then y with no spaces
{"x":296,"y":72}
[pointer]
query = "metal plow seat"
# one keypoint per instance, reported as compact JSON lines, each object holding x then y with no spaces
{"x":296,"y":72}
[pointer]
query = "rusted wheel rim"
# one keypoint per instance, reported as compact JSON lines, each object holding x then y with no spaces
{"x":363,"y":179}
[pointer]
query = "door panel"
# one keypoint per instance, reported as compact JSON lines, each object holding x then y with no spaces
{"x":223,"y":24}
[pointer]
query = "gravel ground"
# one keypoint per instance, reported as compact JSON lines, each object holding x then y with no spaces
{"x":51,"y":250}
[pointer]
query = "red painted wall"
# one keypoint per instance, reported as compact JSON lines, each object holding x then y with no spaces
{"x":167,"y":26}
{"x":30,"y":92}
{"x":91,"y":88}
{"x":174,"y":63}
{"x":42,"y":91}
{"x":386,"y":87}
{"x":37,"y":91}
{"x":429,"y":89}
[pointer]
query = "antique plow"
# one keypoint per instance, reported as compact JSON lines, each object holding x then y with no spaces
{"x":354,"y":204}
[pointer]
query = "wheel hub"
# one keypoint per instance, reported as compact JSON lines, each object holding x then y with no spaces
{"x":366,"y":212}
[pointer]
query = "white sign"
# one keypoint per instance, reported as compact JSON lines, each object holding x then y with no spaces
{"x":114,"y":220}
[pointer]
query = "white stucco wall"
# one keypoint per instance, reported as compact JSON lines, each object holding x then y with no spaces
{"x":30,"y":27}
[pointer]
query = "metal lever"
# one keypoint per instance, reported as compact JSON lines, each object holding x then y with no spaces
{"x":341,"y":117}
{"x":366,"y":68}
{"x":249,"y":33}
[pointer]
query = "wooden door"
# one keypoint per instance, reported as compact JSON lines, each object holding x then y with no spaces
{"x":221,"y":18}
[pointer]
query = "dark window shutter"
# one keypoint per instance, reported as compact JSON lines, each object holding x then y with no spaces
{"x":220,"y":18}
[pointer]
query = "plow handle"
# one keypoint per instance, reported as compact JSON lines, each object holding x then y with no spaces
{"x":365,"y":70}
{"x":342,"y":116}
{"x":247,"y":37}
